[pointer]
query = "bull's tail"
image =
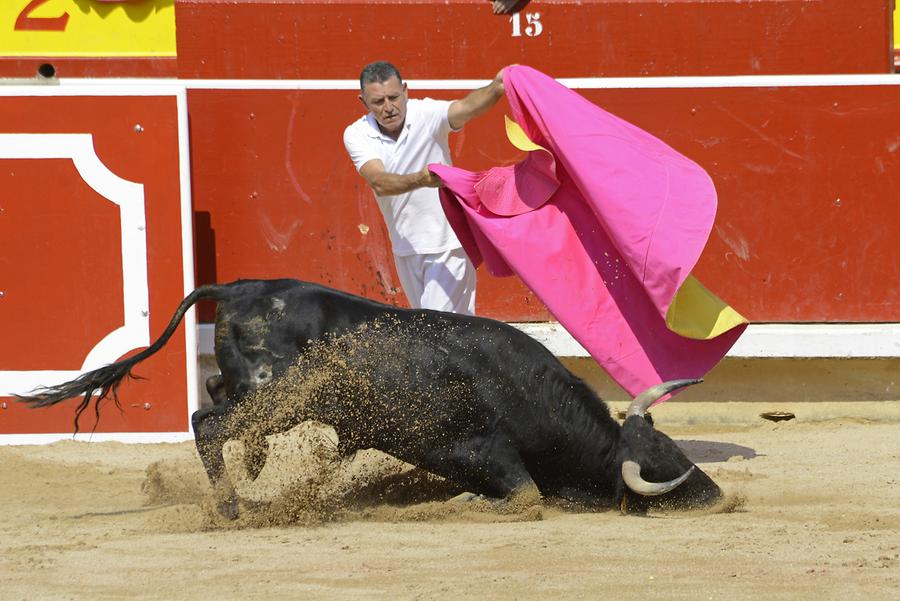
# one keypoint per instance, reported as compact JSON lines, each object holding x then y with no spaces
{"x":106,"y":379}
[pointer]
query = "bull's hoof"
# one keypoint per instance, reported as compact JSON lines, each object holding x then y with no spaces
{"x":524,"y":497}
{"x":228,"y":508}
{"x":468,"y":497}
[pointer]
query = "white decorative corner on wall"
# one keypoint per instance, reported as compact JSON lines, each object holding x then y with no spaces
{"x":129,"y":197}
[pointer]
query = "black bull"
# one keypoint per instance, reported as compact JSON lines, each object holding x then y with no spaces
{"x":471,"y":399}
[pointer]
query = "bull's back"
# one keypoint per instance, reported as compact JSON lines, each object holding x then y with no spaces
{"x":389,"y":376}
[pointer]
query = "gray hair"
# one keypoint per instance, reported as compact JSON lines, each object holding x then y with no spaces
{"x":378,"y":72}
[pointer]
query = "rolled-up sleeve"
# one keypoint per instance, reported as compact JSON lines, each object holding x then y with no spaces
{"x":361,"y":147}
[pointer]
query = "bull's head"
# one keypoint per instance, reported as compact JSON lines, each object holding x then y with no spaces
{"x":655,"y":472}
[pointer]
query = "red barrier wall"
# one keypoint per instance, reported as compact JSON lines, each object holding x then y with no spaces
{"x":807,"y":176}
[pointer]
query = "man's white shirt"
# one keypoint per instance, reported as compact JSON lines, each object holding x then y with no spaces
{"x":415,"y":220}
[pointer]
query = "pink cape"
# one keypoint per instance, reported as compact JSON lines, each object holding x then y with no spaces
{"x":605,"y":225}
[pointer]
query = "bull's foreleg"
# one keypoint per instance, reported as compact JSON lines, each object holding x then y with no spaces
{"x":256,"y":448}
{"x":494,"y":468}
{"x":210,"y":435}
{"x":215,"y":386}
{"x":256,"y":451}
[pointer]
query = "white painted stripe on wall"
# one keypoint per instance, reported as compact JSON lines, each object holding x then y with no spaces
{"x":851,"y":340}
{"x":874,"y":340}
{"x":583,"y":83}
{"x":129,"y":198}
{"x":97,"y":87}
{"x":127,"y":437}
{"x":187,"y":255}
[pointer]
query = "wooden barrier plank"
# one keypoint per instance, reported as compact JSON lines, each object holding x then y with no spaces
{"x":93,"y":261}
{"x":275,"y":195}
{"x":806,"y":176}
{"x":462,"y":39}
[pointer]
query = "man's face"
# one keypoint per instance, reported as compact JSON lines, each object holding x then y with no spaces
{"x":387,"y":102}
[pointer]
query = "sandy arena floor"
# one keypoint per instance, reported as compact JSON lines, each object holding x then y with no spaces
{"x":814,"y":514}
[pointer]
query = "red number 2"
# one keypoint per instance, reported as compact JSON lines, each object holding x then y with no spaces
{"x":26,"y":23}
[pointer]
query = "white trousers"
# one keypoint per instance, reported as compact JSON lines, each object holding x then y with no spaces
{"x":440,"y":281}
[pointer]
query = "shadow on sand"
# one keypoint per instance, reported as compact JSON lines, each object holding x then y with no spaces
{"x":705,"y":451}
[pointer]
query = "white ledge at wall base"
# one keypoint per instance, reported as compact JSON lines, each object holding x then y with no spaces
{"x":775,"y":340}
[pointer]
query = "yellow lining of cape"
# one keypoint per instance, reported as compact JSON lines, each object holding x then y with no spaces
{"x":518,"y":138}
{"x":697,"y":313}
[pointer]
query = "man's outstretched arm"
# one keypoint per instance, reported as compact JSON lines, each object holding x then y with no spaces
{"x":477,"y":102}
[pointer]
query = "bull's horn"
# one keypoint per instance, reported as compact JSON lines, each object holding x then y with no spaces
{"x":631,"y":473}
{"x":642,"y":402}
